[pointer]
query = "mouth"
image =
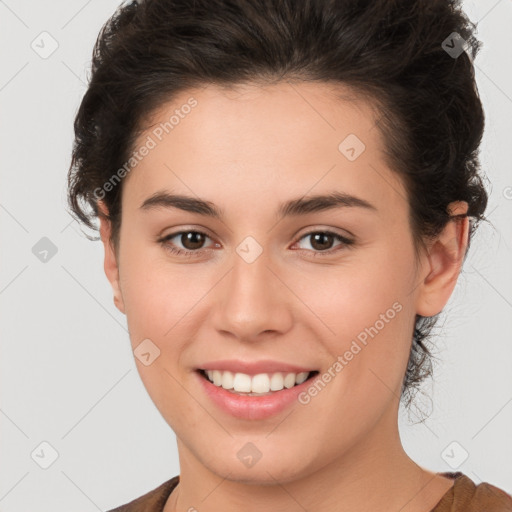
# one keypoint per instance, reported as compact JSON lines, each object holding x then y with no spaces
{"x":261,"y":384}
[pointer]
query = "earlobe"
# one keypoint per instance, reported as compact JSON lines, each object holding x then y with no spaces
{"x":110,"y":262}
{"x":444,"y":262}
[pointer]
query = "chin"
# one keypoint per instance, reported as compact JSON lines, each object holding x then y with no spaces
{"x":265,"y":471}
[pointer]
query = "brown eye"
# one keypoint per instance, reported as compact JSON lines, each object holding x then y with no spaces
{"x":191,"y":241}
{"x":322,"y":242}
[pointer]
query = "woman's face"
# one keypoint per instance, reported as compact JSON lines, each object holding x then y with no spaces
{"x":261,"y":286}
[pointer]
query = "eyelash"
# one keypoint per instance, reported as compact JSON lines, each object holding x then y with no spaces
{"x":189,"y":253}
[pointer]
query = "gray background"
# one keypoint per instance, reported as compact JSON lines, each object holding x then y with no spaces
{"x":68,"y":375}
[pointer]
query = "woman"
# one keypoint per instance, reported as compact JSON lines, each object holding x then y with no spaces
{"x":286,"y":192}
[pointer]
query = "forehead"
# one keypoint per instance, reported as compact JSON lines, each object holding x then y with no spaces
{"x":264,"y":140}
{"x":256,"y":113}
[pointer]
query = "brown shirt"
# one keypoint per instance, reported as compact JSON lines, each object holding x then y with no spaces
{"x":463,"y":496}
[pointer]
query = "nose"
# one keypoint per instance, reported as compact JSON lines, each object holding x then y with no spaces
{"x":253,"y":300}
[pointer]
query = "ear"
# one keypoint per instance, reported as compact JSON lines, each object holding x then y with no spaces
{"x":444,"y":262}
{"x":110,"y":263}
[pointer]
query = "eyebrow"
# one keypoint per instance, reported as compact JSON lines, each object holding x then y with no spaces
{"x":293,"y":207}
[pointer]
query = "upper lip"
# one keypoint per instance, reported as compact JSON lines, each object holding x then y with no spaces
{"x":254,"y":367}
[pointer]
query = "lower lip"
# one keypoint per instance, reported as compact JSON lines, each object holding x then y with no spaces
{"x":253,"y":407}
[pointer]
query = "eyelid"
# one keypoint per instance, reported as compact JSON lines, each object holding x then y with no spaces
{"x":184,"y":229}
{"x":333,"y":231}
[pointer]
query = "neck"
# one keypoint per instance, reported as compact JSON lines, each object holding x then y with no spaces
{"x":374,"y":474}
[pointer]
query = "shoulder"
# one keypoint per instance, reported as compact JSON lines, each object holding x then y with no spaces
{"x":467,"y":496}
{"x":152,"y":501}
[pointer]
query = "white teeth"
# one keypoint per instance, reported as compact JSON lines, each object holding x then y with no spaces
{"x":217,"y":378}
{"x":276,"y":382}
{"x":301,"y":377}
{"x":227,"y":380}
{"x":289,"y":381}
{"x":261,"y":383}
{"x":242,"y":382}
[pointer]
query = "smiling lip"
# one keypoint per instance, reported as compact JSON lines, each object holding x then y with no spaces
{"x":253,"y":368}
{"x":252,"y":407}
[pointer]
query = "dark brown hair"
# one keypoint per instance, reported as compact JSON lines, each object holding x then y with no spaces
{"x":406,"y":56}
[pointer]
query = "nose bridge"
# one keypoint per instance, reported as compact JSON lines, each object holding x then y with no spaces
{"x":250,"y":278}
{"x":251,"y":299}
{"x":250,"y":275}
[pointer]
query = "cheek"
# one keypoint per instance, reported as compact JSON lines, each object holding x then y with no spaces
{"x":156,"y":292}
{"x":159,"y":301}
{"x":370,"y":311}
{"x":354,"y":296}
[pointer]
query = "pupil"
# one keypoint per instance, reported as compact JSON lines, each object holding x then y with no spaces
{"x":190,"y":238}
{"x":320,"y":236}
